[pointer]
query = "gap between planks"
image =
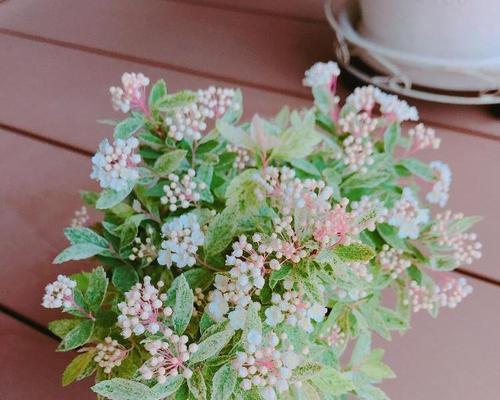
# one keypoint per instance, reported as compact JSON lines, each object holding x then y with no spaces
{"x":207,"y":75}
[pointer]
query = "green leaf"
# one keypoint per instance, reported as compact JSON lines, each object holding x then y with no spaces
{"x":279,"y":275}
{"x":306,"y":371}
{"x":305,"y":166}
{"x":211,"y":346}
{"x":110,"y":198}
{"x":158,"y":91}
{"x":168,"y":388}
{"x":123,"y":389}
{"x":124,"y":277}
{"x":390,"y":235}
{"x":223,"y":383}
{"x":374,"y":368}
{"x":417,"y":167}
{"x":198,"y":278}
{"x":79,"y":252}
{"x":355,"y":252}
{"x":61,"y":327}
{"x":173,"y":101}
{"x":197,"y":386}
{"x":80,"y":367}
{"x":391,"y":137}
{"x":85,"y":235}
{"x":89,"y":198}
{"x":221,"y":231}
{"x":365,"y":181}
{"x":370,"y":392}
{"x":128,"y":127}
{"x":235,"y":135}
{"x":333,"y":382}
{"x":362,"y":347}
{"x":169,"y":162}
{"x":98,"y":284}
{"x":183,"y":308}
{"x":252,"y":322}
{"x":78,"y":336}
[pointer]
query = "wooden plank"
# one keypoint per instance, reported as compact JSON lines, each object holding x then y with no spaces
{"x":223,"y":44}
{"x":63,"y":93}
{"x":31,"y":369}
{"x":39,"y":193}
{"x":453,"y":357}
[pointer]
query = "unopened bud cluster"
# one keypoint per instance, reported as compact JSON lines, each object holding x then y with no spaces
{"x":182,"y":192}
{"x":132,"y":93}
{"x":109,"y":354}
{"x":393,"y":261}
{"x":59,"y":294}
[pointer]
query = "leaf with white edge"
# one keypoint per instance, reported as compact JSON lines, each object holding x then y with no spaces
{"x":158,"y":91}
{"x":393,"y":320}
{"x":308,"y":391}
{"x":169,"y":162}
{"x":355,"y":252}
{"x":128,"y":127}
{"x":80,"y":367}
{"x":390,"y":235}
{"x":183,"y":308}
{"x":279,"y":275}
{"x":168,"y":388}
{"x":78,"y":336}
{"x":211,"y":346}
{"x":124,"y":277}
{"x":252,"y":322}
{"x":362,"y":347}
{"x":98,"y":284}
{"x":365,"y":181}
{"x":235,"y":135}
{"x":61,"y":327}
{"x":197,"y":386}
{"x":370,"y":392}
{"x":123,"y":389}
{"x":375,"y":368}
{"x":173,"y":101}
{"x":418,"y":168}
{"x":79,"y":252}
{"x":306,"y":371}
{"x":305,"y":166}
{"x":85,"y":235}
{"x":223,"y":383}
{"x":221,"y":231}
{"x":391,"y":137}
{"x":110,"y":198}
{"x":333,"y":382}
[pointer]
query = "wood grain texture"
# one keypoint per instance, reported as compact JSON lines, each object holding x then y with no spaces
{"x":31,"y":369}
{"x":218,"y":44}
{"x":454,"y":357}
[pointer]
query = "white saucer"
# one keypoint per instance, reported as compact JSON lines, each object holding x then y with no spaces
{"x":404,"y":70}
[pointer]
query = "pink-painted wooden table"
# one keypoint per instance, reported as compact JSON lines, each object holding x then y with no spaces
{"x":59,"y":58}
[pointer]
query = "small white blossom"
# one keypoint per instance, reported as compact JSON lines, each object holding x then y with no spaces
{"x":392,"y":260}
{"x":182,"y":192}
{"x":408,"y":216}
{"x":81,"y":218}
{"x":367,"y":212}
{"x":358,"y":153}
{"x":115,"y":165}
{"x":183,"y":236}
{"x":441,"y":188}
{"x":237,"y":318}
{"x":423,"y":138}
{"x":243,"y":157}
{"x":321,"y":74}
{"x":218,"y":306}
{"x":334,"y":337}
{"x":59,"y":294}
{"x":144,"y":250}
{"x":132,"y":93}
{"x":142,"y":309}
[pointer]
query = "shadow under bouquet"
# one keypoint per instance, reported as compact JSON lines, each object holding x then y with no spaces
{"x":255,"y":260}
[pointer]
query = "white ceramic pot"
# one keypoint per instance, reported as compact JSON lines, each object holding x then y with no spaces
{"x":447,"y":29}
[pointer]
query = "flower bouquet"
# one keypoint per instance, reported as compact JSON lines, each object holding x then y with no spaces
{"x":239,"y":261}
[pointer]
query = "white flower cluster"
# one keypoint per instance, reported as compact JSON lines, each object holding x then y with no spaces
{"x":189,"y":122}
{"x":142,"y":309}
{"x":450,"y":294}
{"x":441,"y":188}
{"x":183,"y":236}
{"x":281,"y":184}
{"x":109,"y":354}
{"x":358,"y":153}
{"x":423,"y":138}
{"x":321,"y":74}
{"x":245,"y":277}
{"x":169,"y":356}
{"x":362,"y":271}
{"x":334,"y":337}
{"x":131,"y":94}
{"x":358,"y":124}
{"x":243,"y":157}
{"x":366,"y":213}
{"x":81,"y":218}
{"x":143,"y":250}
{"x":407,"y":215}
{"x":291,"y":308}
{"x":115,"y":165}
{"x":59,"y":293}
{"x":264,"y":366}
{"x":181,"y":192}
{"x":463,"y":245}
{"x":392,"y":260}
{"x":365,"y":98}
{"x":334,"y":226}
